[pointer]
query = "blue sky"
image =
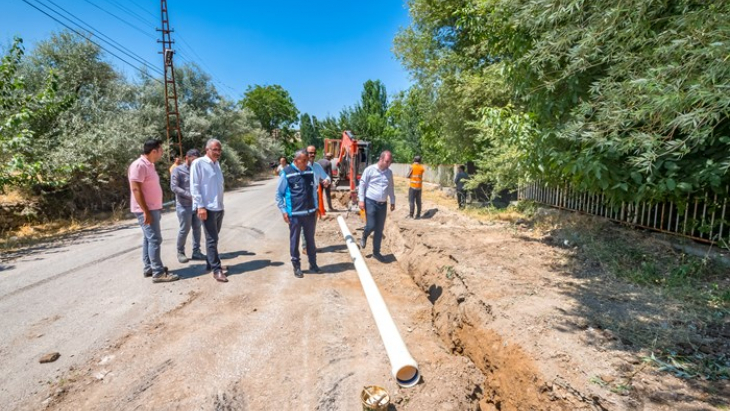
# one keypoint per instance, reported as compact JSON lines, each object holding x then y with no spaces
{"x":320,"y":51}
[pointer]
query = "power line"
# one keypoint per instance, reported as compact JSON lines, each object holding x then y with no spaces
{"x":128,"y":52}
{"x":121,"y":19}
{"x":183,"y":47}
{"x":130,"y":12}
{"x":92,"y":41}
{"x":202,"y":62}
{"x":143,"y":8}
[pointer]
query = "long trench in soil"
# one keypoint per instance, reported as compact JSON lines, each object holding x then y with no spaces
{"x":462,"y":321}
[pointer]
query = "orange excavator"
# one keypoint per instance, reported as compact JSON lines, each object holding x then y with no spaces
{"x":352,"y":157}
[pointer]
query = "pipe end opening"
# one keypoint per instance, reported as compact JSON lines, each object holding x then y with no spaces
{"x":408,"y":376}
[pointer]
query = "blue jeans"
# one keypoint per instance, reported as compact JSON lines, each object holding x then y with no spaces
{"x":151,"y":243}
{"x":212,"y":226}
{"x":187,"y":218}
{"x":375,"y":214}
{"x":302,"y":224}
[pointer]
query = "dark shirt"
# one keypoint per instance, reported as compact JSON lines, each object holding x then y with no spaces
{"x":326,"y":165}
{"x":461,"y":176}
{"x":180,"y":185}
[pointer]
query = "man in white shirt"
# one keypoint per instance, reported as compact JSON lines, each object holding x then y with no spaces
{"x":320,"y":177}
{"x":206,"y":188}
{"x":376,"y":187}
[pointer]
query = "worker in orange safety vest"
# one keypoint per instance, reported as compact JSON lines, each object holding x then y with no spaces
{"x":415,"y":174}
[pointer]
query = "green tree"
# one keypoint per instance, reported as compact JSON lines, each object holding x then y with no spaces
{"x":368,"y":118}
{"x":620,"y":97}
{"x":24,"y":120}
{"x":309,"y":130}
{"x":272,"y":106}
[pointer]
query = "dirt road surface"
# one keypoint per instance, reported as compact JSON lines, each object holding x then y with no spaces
{"x":498,"y":317}
{"x":265,"y":340}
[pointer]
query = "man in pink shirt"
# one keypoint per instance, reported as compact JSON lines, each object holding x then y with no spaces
{"x":146,"y":204}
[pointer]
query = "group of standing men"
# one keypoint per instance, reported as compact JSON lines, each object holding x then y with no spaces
{"x":198,"y":186}
{"x":298,"y":200}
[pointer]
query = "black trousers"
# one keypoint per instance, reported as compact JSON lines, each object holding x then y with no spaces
{"x":328,"y":196}
{"x":414,"y":199}
{"x":297,"y":224}
{"x":375,"y":213}
{"x":212,"y":227}
{"x":461,"y":197}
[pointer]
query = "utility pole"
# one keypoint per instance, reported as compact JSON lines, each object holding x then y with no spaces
{"x":171,"y":110}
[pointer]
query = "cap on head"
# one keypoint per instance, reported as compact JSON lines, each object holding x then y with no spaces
{"x":193,"y":152}
{"x":417,"y":159}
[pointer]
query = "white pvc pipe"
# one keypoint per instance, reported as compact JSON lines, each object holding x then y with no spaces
{"x":404,"y":367}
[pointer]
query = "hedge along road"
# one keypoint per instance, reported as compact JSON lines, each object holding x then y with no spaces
{"x":265,"y":340}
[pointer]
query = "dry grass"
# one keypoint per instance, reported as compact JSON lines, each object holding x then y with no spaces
{"x":11,"y":197}
{"x":435,"y":195}
{"x":31,"y":234}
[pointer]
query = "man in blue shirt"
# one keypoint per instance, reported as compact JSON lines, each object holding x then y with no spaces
{"x":296,"y":197}
{"x":376,"y":187}
{"x":206,"y":188}
{"x":186,"y":216}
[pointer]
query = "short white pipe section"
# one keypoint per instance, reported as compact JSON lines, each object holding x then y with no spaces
{"x":404,"y":367}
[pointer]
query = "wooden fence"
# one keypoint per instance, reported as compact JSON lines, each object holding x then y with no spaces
{"x":704,"y":217}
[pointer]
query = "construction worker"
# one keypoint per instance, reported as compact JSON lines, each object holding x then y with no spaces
{"x":415,"y":174}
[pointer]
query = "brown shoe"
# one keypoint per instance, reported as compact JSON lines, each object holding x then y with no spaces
{"x":219,"y":276}
{"x":223,"y":267}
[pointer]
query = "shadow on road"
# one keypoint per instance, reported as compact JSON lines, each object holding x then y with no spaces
{"x":53,"y":244}
{"x":336,"y":268}
{"x":254,"y":265}
{"x":332,"y":248}
{"x":386,"y":259}
{"x":430,"y":213}
{"x":198,"y":270}
{"x":234,"y":254}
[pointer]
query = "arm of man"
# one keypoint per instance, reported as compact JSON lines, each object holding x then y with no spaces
{"x":175,"y":184}
{"x":139,"y":196}
{"x":363,"y":187}
{"x":280,"y":194}
{"x":195,"y":191}
{"x":137,"y":175}
{"x":391,"y":191}
{"x":321,"y":174}
{"x":410,"y":171}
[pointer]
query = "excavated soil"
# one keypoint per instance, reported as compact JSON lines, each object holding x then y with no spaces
{"x":511,"y":302}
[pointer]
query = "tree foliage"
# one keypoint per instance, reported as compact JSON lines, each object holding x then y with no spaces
{"x":70,"y":124}
{"x":25,"y":123}
{"x":625,"y":97}
{"x":272,"y":106}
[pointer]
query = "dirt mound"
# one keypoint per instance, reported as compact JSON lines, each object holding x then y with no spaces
{"x":510,"y":301}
